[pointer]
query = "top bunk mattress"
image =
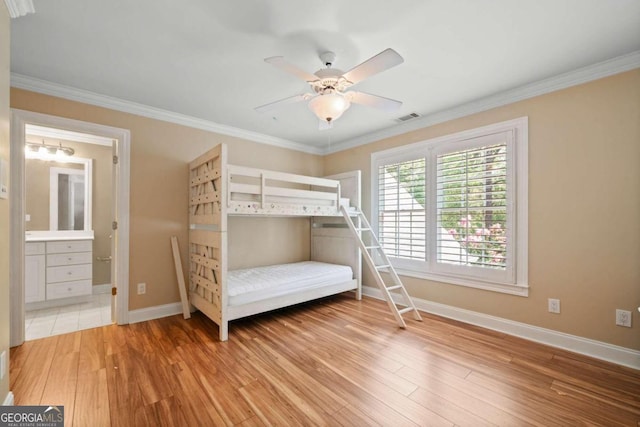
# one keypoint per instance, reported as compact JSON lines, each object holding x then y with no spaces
{"x":254,"y":284}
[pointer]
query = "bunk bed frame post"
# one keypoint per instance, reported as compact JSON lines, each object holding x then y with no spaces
{"x":208,"y":236}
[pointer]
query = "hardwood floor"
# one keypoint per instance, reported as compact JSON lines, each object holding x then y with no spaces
{"x":332,"y":362}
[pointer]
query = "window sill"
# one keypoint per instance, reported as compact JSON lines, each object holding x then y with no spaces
{"x":519,"y":290}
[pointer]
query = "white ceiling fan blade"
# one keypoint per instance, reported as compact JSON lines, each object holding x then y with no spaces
{"x":281,"y":102}
{"x":386,"y":59}
{"x":279,"y":61}
{"x":375,"y":101}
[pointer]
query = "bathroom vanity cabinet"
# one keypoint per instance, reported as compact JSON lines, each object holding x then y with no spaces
{"x":57,"y":269}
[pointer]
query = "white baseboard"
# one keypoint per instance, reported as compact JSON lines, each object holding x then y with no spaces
{"x":8,"y":401}
{"x":101,"y":289}
{"x":156,"y":312}
{"x":597,"y":349}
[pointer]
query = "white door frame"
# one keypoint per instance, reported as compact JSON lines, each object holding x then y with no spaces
{"x":19,"y":119}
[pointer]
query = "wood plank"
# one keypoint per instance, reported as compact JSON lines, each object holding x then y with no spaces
{"x":198,"y":407}
{"x":207,"y":219}
{"x":91,"y":351}
{"x":211,"y":263}
{"x":125,"y":399}
{"x":30,"y":384}
{"x":61,"y":385}
{"x":212,"y":197}
{"x":281,"y":176}
{"x":206,"y":307}
{"x":218,"y":386}
{"x":204,"y":177}
{"x":334,"y":361}
{"x":212,"y":154}
{"x":205,"y":238}
{"x":274,"y":409}
{"x":349,"y":416}
{"x":182,"y":287}
{"x":207,"y":284}
{"x":92,"y":400}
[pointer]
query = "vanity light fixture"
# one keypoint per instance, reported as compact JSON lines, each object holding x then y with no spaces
{"x":49,"y":151}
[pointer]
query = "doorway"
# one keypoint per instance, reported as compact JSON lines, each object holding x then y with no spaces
{"x":72,"y":236}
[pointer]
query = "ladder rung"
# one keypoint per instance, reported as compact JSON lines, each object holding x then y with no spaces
{"x":363,"y":229}
{"x":372,"y":247}
{"x":406,"y":310}
{"x":393,"y":288}
{"x":379,"y":267}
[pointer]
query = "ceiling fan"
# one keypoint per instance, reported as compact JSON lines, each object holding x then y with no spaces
{"x":331,"y":97}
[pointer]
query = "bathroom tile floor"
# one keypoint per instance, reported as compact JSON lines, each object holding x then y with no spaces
{"x":47,"y":322}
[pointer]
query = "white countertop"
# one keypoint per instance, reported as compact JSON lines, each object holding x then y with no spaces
{"x":49,"y":236}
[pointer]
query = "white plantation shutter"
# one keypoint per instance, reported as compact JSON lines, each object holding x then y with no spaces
{"x":472,"y":207}
{"x":473,"y":215}
{"x":446,"y":209}
{"x":401,"y":213}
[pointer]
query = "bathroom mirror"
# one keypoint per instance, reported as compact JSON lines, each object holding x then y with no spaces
{"x":67,"y":210}
{"x":58,"y":195}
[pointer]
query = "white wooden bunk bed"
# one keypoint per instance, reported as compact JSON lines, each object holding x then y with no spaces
{"x":218,"y":190}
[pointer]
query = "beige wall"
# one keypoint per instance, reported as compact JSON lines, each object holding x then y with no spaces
{"x":160,"y":152}
{"x":37,"y":197}
{"x":584,"y":209}
{"x":4,"y":203}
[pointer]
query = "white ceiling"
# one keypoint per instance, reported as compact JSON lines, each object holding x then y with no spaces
{"x":204,"y":58}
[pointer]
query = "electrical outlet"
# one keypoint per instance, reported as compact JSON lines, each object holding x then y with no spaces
{"x":623,"y":318}
{"x":3,"y":364}
{"x":142,"y":288}
{"x":554,"y":305}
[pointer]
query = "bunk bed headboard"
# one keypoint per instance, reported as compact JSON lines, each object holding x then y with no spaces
{"x":331,"y":240}
{"x":208,"y":235}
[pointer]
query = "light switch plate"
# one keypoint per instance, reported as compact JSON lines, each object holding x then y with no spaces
{"x":4,"y":179}
{"x":3,"y":364}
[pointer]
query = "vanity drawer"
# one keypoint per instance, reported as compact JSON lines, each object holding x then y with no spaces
{"x":67,"y":273}
{"x":69,"y":246}
{"x":69,"y":259}
{"x":34,"y":248}
{"x":69,"y":289}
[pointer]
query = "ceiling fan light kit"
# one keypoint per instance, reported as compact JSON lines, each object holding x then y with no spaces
{"x":329,"y":107}
{"x":331,"y":97}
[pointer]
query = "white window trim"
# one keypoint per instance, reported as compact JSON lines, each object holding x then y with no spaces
{"x":519,"y":129}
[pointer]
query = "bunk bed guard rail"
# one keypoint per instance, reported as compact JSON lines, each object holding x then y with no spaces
{"x":251,"y":190}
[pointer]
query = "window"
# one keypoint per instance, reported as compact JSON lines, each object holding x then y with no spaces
{"x":454,"y":209}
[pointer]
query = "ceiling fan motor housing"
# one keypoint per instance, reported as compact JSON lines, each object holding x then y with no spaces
{"x":329,"y":79}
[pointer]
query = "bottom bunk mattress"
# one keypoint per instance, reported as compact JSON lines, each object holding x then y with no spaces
{"x":260,"y":283}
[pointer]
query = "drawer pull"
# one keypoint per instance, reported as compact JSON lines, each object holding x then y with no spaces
{"x":69,"y":273}
{"x":69,"y":289}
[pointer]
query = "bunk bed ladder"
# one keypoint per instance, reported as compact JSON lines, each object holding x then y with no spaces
{"x":372,"y":252}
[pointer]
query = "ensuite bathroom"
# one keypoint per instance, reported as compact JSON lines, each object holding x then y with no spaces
{"x":68,"y":238}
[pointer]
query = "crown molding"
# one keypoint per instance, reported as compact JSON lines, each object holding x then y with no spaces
{"x":61,"y":91}
{"x":541,"y":87}
{"x":18,"y":8}
{"x":572,"y":78}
